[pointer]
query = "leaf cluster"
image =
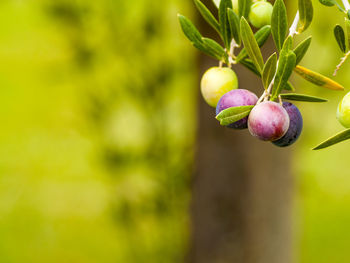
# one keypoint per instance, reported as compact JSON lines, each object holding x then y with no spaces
{"x":236,"y":33}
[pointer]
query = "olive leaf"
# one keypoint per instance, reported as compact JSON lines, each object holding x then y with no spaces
{"x":248,"y":63}
{"x":332,"y":3}
{"x":279,"y":22}
{"x":269,"y":70}
{"x":190,"y":30}
{"x":207,"y":46}
{"x":207,"y":15}
{"x":289,"y":87}
{"x":340,"y":37}
{"x":285,"y":67}
{"x":340,"y":137}
{"x":302,"y":97}
{"x":328,"y":2}
{"x":347,"y":27}
{"x":224,"y":23}
{"x":306,"y":14}
{"x":317,"y":79}
{"x":215,"y":48}
{"x":231,"y":115}
{"x":244,"y":7}
{"x":251,"y":45}
{"x":261,"y":37}
{"x":234,"y":25}
{"x":301,"y":49}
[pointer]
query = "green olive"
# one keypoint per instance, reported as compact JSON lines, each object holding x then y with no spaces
{"x":260,"y":14}
{"x":216,"y":82}
{"x":343,"y":113}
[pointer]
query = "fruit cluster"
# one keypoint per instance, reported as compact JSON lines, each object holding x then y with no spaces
{"x":268,"y":121}
{"x":268,"y":118}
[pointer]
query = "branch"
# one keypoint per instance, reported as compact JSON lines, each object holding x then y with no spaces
{"x":342,"y":61}
{"x":346,"y":4}
{"x":293,"y":28}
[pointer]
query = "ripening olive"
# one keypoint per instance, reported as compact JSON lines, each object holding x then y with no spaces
{"x":268,"y":121}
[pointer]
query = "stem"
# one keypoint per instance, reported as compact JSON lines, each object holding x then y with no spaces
{"x":231,"y":55}
{"x":293,"y":28}
{"x":346,"y":4}
{"x":342,"y":61}
{"x":262,"y":98}
{"x":280,"y":99}
{"x":269,"y":89}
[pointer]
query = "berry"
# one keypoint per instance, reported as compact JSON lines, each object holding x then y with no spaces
{"x":260,"y":14}
{"x":268,"y":121}
{"x":236,"y":98}
{"x":216,"y":82}
{"x":343,"y":113}
{"x":295,"y":126}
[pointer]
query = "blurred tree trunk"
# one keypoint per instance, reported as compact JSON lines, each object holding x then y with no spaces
{"x":242,"y":189}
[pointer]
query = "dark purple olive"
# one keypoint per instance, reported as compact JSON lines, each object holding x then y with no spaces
{"x":295,"y":126}
{"x":236,"y":98}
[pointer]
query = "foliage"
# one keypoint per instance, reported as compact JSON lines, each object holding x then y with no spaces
{"x":275,"y":73}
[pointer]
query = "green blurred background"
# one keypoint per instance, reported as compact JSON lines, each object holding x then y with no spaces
{"x":99,"y":114}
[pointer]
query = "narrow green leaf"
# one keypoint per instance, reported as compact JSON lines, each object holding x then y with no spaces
{"x":332,"y":3}
{"x":207,"y":46}
{"x":215,"y":49}
{"x":248,"y":63}
{"x":289,"y":87}
{"x":301,"y":49}
{"x":318,"y":79}
{"x":284,"y":71}
{"x":269,"y":70}
{"x":302,"y":97}
{"x":340,"y":137}
{"x":279,"y":22}
{"x":190,"y":30}
{"x":231,"y":115}
{"x":207,"y":15}
{"x":347,"y":26}
{"x":224,"y":23}
{"x":261,"y":37}
{"x":234,"y":26}
{"x":244,"y":7}
{"x":328,"y":2}
{"x":340,"y":37}
{"x":306,"y":13}
{"x":251,"y":45}
{"x":285,"y":67}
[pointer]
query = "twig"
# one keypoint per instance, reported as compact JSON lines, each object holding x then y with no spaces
{"x":346,"y":4}
{"x":294,"y":26}
{"x":342,"y":61}
{"x":280,"y":99}
{"x":232,"y":57}
{"x":262,"y":98}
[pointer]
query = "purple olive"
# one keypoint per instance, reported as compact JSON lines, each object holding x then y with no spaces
{"x":295,"y":126}
{"x":236,"y":98}
{"x":268,"y":121}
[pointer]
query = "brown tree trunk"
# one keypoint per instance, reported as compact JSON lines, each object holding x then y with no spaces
{"x":242,"y":190}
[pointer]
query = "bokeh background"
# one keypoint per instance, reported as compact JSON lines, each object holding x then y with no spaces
{"x":99,"y":113}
